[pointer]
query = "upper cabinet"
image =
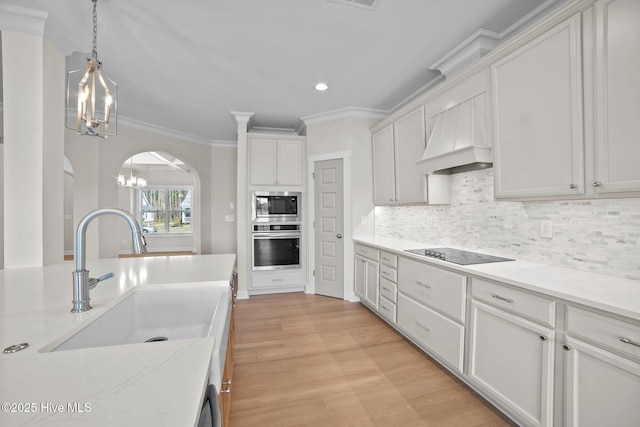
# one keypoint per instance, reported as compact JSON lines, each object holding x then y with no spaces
{"x":538,"y":116}
{"x":566,"y":108}
{"x":617,"y":96}
{"x":396,"y":178}
{"x":276,"y":161}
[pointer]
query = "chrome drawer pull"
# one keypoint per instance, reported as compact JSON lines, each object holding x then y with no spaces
{"x":386,"y":259}
{"x":424,"y":285}
{"x":509,"y":300}
{"x":628,"y":341}
{"x":385,"y":308}
{"x":386,"y":289}
{"x":421,"y":326}
{"x":386,"y":273}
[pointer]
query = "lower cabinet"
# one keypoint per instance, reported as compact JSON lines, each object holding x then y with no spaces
{"x":224,"y":395}
{"x":601,"y":387}
{"x":511,"y":359}
{"x":366,"y":279}
{"x":439,"y":335}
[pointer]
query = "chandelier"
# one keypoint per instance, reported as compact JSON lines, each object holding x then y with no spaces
{"x":132,"y":181}
{"x":92,"y":94}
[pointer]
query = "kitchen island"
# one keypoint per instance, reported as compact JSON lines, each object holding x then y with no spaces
{"x":161,"y":383}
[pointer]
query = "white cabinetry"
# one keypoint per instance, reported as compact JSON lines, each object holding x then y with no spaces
{"x":617,"y":103}
{"x":366,"y":274}
{"x":276,"y":161}
{"x":602,"y":387}
{"x":388,"y":286}
{"x":431,"y":309}
{"x":566,"y":108}
{"x":538,"y":116}
{"x":396,"y":177}
{"x":511,"y":358}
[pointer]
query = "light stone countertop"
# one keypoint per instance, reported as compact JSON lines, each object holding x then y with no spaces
{"x":609,"y":293}
{"x":136,"y":384}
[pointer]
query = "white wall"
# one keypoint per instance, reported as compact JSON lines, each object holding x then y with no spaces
{"x":602,"y":236}
{"x":353,"y":135}
{"x":223,"y":194}
{"x":97,"y":162}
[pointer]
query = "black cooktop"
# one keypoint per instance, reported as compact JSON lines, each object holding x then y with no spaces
{"x":458,"y":256}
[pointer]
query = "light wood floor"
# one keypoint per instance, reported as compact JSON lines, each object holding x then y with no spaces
{"x":305,"y":360}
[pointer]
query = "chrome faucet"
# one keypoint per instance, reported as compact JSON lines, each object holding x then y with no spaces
{"x":81,"y":281}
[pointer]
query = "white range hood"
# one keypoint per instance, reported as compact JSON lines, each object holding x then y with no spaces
{"x":458,"y":140}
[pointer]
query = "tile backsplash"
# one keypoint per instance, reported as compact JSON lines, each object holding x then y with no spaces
{"x":602,"y":236}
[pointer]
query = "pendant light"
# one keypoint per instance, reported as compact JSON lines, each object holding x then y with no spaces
{"x":91,"y":107}
{"x":132,"y":181}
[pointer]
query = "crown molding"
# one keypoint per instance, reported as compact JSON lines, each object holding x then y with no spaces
{"x":345,"y":113}
{"x":480,"y":43}
{"x":19,"y":19}
{"x":136,"y":124}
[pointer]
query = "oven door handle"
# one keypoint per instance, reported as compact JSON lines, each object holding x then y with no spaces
{"x":270,"y":235}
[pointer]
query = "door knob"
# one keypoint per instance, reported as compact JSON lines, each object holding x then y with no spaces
{"x":339,"y":236}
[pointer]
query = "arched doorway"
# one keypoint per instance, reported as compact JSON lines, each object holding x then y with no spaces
{"x":163,"y":192}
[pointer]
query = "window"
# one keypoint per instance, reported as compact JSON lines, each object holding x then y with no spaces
{"x":166,"y":210}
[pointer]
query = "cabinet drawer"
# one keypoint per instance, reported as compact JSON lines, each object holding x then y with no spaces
{"x":367,"y":252}
{"x":440,"y":289}
{"x":388,"y":289}
{"x":533,"y":306}
{"x":276,"y":279}
{"x":387,"y":309}
{"x":604,"y":331}
{"x":387,"y":258}
{"x":388,"y":273}
{"x":435,"y":332}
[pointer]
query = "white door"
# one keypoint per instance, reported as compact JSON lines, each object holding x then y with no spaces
{"x":329,"y":221}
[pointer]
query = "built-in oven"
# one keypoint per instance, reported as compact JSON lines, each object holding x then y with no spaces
{"x":275,"y":246}
{"x":276,"y":206}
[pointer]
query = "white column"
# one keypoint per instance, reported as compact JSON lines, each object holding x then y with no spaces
{"x":242,"y":204}
{"x":33,"y":164}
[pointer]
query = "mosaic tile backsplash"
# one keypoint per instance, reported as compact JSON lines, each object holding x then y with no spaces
{"x":602,"y":236}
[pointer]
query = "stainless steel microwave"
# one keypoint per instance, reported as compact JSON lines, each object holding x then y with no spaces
{"x":276,"y":206}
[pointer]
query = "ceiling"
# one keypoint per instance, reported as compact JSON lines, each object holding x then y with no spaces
{"x":183,"y":66}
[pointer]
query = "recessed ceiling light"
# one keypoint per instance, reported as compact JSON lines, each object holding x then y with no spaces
{"x":322,"y":86}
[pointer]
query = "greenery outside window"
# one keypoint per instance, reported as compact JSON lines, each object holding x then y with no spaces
{"x":166,"y":210}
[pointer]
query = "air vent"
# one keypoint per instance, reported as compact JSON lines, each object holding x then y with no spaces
{"x":362,"y":4}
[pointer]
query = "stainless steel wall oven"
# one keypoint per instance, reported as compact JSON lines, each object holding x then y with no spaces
{"x":275,"y":246}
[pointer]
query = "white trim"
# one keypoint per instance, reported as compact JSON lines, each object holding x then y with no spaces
{"x":19,"y":19}
{"x":137,"y":124}
{"x":345,"y":113}
{"x":349,"y":295}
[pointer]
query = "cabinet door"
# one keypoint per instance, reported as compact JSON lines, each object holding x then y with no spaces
{"x":289,"y":163}
{"x":359,"y":276}
{"x":263,"y":161}
{"x":617,"y":105}
{"x":371,"y":283}
{"x":602,"y":389}
{"x":511,"y":360}
{"x":410,"y":142}
{"x":538,"y":117}
{"x":384,"y":173}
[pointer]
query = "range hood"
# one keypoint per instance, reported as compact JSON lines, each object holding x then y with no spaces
{"x":458,"y":140}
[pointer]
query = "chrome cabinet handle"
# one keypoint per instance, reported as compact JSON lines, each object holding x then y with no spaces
{"x":597,"y":184}
{"x":424,"y":285}
{"x":496,"y":296}
{"x":566,"y":347}
{"x":628,"y":341}
{"x":339,"y":236}
{"x":543,"y":338}
{"x":385,"y":308}
{"x":573,"y":186}
{"x":386,"y":289}
{"x":386,"y":273}
{"x":421,"y":326}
